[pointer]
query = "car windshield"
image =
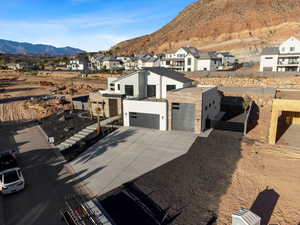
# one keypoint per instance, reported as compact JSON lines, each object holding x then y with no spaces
{"x":10,"y":177}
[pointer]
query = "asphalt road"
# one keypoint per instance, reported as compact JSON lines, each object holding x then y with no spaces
{"x":48,"y":180}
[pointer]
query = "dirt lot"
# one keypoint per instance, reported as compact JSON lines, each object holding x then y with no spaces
{"x":266,"y":180}
{"x":15,"y":90}
{"x":218,"y":176}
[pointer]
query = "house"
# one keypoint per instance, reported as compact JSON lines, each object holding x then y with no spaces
{"x":112,"y":63}
{"x":284,"y":58}
{"x":25,"y":66}
{"x":202,"y":61}
{"x":148,"y":61}
{"x":190,"y":59}
{"x":227,"y":59}
{"x":176,"y":60}
{"x":131,"y":64}
{"x":81,"y":64}
{"x":163,"y":99}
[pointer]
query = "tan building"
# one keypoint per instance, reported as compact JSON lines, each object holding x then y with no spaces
{"x":110,"y":104}
{"x":285,"y":116}
{"x":193,"y":108}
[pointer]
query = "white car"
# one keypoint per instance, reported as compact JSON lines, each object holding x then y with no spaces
{"x":11,"y":180}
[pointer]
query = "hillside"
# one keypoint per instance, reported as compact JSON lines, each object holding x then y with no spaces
{"x":13,"y":47}
{"x":241,"y":26}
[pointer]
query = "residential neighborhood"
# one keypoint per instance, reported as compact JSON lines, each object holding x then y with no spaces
{"x":197,"y":122}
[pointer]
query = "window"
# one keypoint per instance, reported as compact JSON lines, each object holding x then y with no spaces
{"x":129,"y":90}
{"x":171,"y":87}
{"x":189,"y":69}
{"x":168,"y":63}
{"x":119,"y":87}
{"x":151,"y":90}
{"x":283,"y":49}
{"x":189,"y":62}
{"x":269,"y":58}
{"x":292,"y":49}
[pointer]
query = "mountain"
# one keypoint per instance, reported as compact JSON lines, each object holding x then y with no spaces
{"x":13,"y":47}
{"x":243,"y":27}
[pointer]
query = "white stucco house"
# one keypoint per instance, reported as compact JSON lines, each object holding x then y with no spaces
{"x":284,"y":58}
{"x":163,"y":99}
{"x":176,"y":60}
{"x":227,"y":59}
{"x":78,"y":64}
{"x":191,"y":59}
{"x":202,"y":61}
{"x":148,"y":61}
{"x":112,"y":63}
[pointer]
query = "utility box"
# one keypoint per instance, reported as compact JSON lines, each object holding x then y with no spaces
{"x":245,"y":217}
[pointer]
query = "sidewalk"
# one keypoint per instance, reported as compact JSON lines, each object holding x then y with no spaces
{"x":84,"y":133}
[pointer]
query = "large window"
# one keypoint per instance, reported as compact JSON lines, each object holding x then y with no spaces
{"x":292,"y":49}
{"x":189,"y":62}
{"x":129,"y":90}
{"x":171,"y":87}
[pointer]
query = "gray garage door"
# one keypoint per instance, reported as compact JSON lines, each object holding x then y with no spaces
{"x":183,"y":116}
{"x":144,"y":120}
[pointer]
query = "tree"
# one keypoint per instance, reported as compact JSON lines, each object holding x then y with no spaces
{"x":246,"y":103}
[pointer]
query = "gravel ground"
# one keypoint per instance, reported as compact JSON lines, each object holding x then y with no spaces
{"x":65,"y":125}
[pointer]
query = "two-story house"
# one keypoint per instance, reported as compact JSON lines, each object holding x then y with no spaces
{"x":176,"y":60}
{"x":227,"y":59}
{"x":190,"y":59}
{"x":284,"y":58}
{"x":78,"y":64}
{"x":202,"y":61}
{"x":160,"y":98}
{"x":112,"y":63}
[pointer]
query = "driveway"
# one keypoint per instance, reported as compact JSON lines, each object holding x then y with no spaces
{"x":47,"y":178}
{"x":127,"y":154}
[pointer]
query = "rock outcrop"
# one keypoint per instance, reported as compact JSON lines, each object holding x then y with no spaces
{"x":241,"y":26}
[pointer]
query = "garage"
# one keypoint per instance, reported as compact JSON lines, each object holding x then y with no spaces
{"x":144,"y":120}
{"x":183,"y":116}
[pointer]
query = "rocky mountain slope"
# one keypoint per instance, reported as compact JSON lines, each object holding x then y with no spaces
{"x":241,"y":26}
{"x":13,"y":47}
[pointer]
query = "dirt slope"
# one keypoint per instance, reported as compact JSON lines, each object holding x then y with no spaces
{"x":240,"y":26}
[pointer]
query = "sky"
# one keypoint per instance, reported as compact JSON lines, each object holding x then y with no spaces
{"x":91,"y":25}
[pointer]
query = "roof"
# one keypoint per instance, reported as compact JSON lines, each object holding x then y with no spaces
{"x":247,"y":216}
{"x":162,"y":72}
{"x":169,"y":73}
{"x":226,"y":54}
{"x":191,"y":90}
{"x":189,"y":188}
{"x":270,"y":51}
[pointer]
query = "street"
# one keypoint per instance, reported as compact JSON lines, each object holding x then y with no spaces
{"x":47,"y":178}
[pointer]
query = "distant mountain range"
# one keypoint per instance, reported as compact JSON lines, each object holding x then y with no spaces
{"x":13,"y":47}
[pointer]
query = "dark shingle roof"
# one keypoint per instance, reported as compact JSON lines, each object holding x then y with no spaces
{"x":270,"y":51}
{"x":169,"y":73}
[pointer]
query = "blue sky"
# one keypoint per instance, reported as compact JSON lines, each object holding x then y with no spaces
{"x":91,"y":25}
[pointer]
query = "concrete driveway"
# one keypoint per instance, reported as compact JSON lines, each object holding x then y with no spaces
{"x":127,"y":154}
